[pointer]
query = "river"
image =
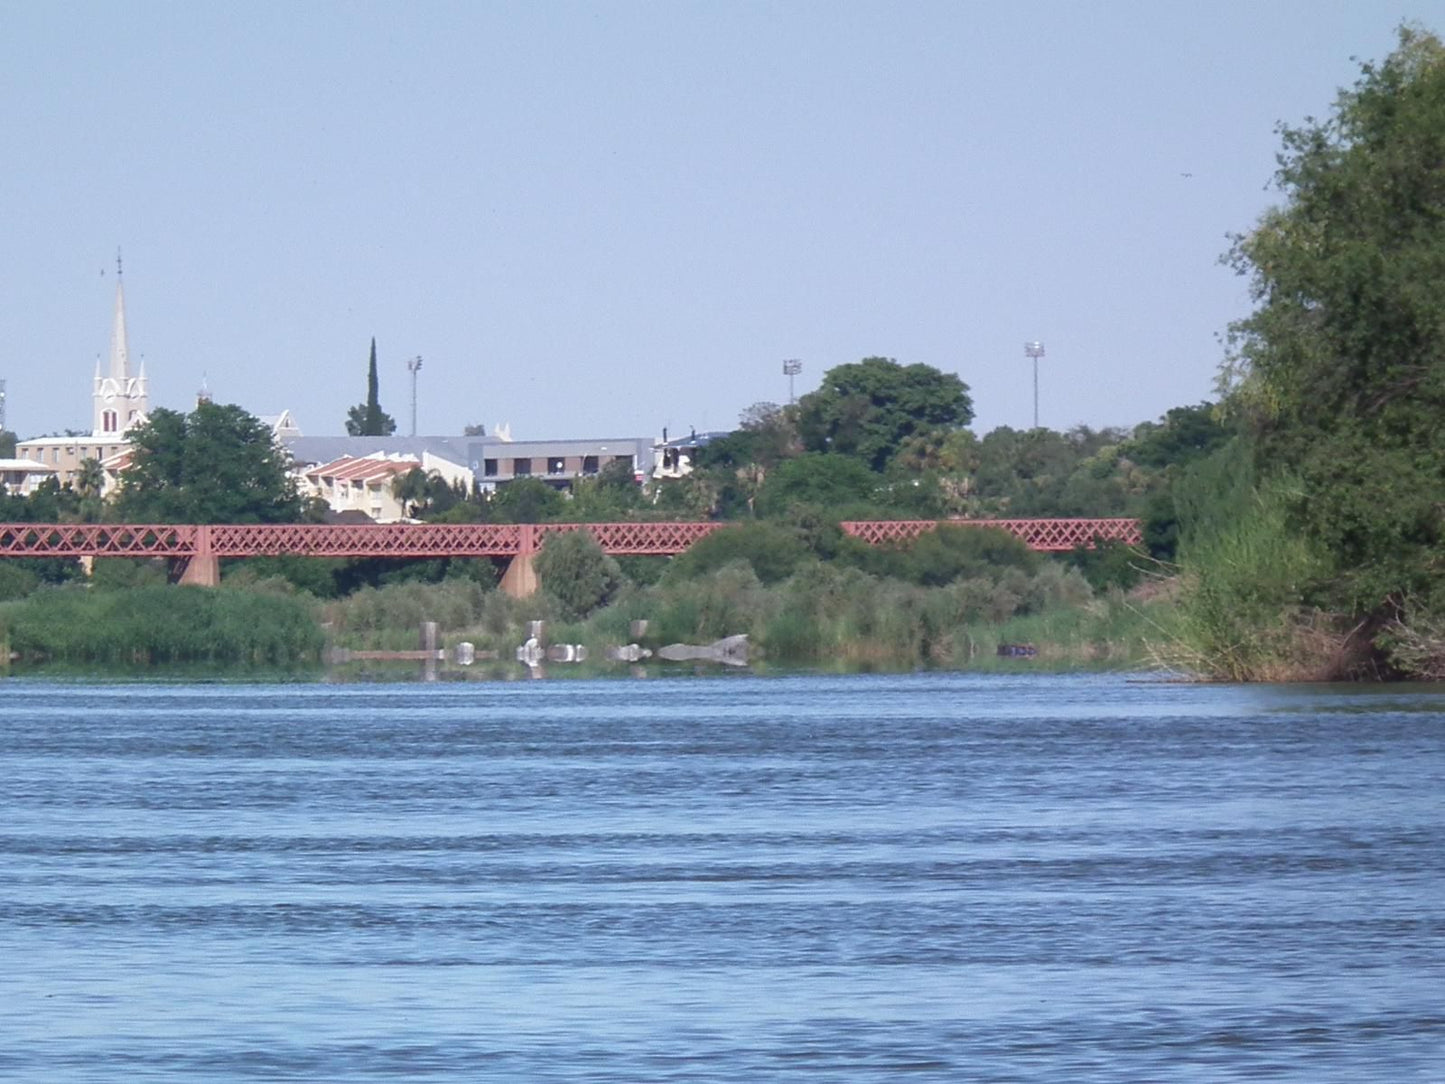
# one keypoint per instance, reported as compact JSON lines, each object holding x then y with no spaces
{"x":927,"y":877}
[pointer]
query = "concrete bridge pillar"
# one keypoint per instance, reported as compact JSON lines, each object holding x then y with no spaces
{"x":520,"y":578}
{"x":202,"y":567}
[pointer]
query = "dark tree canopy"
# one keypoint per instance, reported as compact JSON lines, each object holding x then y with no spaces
{"x":526,"y":500}
{"x":868,"y":408}
{"x":368,"y":419}
{"x":1341,"y":368}
{"x":217,"y":464}
{"x":832,"y":481}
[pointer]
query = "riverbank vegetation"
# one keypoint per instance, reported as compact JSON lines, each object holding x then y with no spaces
{"x":160,"y":624}
{"x":1292,"y":529}
{"x":819,"y":614}
{"x":947,"y":600}
{"x":1312,"y":545}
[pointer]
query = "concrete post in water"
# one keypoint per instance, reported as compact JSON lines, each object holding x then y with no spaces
{"x":429,"y":645}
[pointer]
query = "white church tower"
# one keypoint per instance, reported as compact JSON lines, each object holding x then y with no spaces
{"x":120,"y":399}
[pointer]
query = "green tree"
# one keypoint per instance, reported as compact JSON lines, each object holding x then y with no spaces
{"x":613,"y":493}
{"x":772,"y":551}
{"x":8,"y":440}
{"x":217,"y":464}
{"x":412,"y":489}
{"x":1340,"y":369}
{"x":526,"y":500}
{"x":838,"y":482}
{"x":574,"y":570}
{"x":89,"y":479}
{"x":424,"y":494}
{"x":368,"y":419}
{"x":1184,"y":434}
{"x":868,"y":408}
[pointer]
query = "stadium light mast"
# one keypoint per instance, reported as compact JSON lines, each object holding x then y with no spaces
{"x":413,"y":366}
{"x":1035,"y":349}
{"x":791,"y":368}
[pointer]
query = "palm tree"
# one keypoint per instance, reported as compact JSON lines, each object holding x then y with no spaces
{"x":413,"y":490}
{"x":88,"y":483}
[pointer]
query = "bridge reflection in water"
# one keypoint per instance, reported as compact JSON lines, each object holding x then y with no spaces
{"x":198,"y":547}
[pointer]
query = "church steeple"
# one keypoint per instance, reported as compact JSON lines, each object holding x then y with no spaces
{"x":120,"y":399}
{"x":119,"y":348}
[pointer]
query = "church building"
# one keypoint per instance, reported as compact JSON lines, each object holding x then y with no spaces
{"x":119,"y":402}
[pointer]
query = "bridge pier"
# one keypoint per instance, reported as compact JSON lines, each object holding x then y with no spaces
{"x":202,"y":567}
{"x":519,"y":579}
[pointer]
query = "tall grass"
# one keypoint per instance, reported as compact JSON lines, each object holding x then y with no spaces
{"x":161,"y":624}
{"x":1242,"y":614}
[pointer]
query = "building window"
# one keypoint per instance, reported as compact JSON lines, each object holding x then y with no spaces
{"x":556,"y":465}
{"x":625,"y":460}
{"x":489,"y":467}
{"x":589,"y":464}
{"x":108,"y":421}
{"x":521,"y":466}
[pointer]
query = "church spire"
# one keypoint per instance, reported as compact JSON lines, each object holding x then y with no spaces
{"x":119,"y":348}
{"x":120,"y":399}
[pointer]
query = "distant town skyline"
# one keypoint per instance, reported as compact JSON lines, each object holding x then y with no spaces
{"x":610,"y":219}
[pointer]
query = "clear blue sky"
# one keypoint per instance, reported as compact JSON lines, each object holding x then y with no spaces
{"x":599,"y":219}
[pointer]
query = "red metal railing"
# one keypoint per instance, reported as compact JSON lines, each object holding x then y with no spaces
{"x":1039,"y":534}
{"x":471,"y":539}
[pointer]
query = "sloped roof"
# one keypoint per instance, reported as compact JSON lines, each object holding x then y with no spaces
{"x":308,"y":450}
{"x":363,"y":468}
{"x":118,"y":462}
{"x":25,"y":465}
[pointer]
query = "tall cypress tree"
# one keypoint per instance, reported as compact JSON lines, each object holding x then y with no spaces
{"x":368,"y":419}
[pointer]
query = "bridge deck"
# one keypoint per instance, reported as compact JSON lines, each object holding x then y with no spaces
{"x":472,"y":539}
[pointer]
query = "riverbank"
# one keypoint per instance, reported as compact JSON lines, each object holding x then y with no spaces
{"x":820,"y":618}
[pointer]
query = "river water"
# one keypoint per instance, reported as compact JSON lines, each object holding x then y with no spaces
{"x":923,"y":877}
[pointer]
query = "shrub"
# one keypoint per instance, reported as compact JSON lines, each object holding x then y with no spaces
{"x":573,"y":569}
{"x":947,"y":553}
{"x":113,"y":573}
{"x":732,"y":600}
{"x":16,"y":582}
{"x":772,"y":552}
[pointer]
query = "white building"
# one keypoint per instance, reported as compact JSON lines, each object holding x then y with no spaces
{"x":119,"y":402}
{"x":355,"y":474}
{"x":19,"y":477}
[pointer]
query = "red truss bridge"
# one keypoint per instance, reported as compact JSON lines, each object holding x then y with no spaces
{"x":198,"y":547}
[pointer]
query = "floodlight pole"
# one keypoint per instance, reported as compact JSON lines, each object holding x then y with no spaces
{"x":1034,"y":349}
{"x":413,"y":366}
{"x":791,"y":368}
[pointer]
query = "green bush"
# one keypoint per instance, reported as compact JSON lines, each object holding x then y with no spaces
{"x":945,"y":554}
{"x":772,"y":552}
{"x":573,"y":569}
{"x":731,"y":600}
{"x":15,"y":581}
{"x":114,"y":573}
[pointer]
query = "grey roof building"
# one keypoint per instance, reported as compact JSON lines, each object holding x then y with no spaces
{"x":557,"y":462}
